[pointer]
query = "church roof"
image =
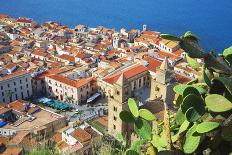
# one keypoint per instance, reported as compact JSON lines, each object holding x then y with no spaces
{"x":127,"y":73}
{"x":165,"y":64}
{"x":121,"y":80}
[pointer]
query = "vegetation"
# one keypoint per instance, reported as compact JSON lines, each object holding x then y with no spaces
{"x":44,"y":149}
{"x":203,"y":122}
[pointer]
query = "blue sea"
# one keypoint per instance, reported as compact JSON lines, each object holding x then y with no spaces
{"x":211,"y":20}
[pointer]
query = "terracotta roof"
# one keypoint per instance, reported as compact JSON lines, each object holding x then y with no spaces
{"x":182,"y":79}
{"x":20,"y":106}
{"x":170,"y":55}
{"x":4,"y":110}
{"x":24,"y":20}
{"x":74,"y":83}
{"x":18,"y":138}
{"x":2,"y":16}
{"x":10,"y":66}
{"x":12,"y":151}
{"x":48,"y":73}
{"x":151,"y":33}
{"x":81,"y":135}
{"x":4,"y":140}
{"x":103,"y":120}
{"x":39,"y":53}
{"x":67,"y":57}
{"x":153,"y":63}
{"x":57,"y":138}
{"x":16,"y":73}
{"x":128,"y":73}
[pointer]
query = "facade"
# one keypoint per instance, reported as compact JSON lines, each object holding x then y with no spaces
{"x":61,"y":87}
{"x":15,"y":86}
{"x":123,"y":87}
{"x":168,"y":45}
{"x":81,"y":140}
{"x":162,"y":84}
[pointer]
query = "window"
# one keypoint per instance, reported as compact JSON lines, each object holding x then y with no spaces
{"x":28,"y":94}
{"x":16,"y":96}
{"x":115,"y":118}
{"x":20,"y":81}
{"x":157,"y":88}
{"x":27,"y":85}
{"x":26,"y":79}
{"x":8,"y":85}
{"x":15,"y":89}
{"x":81,"y":90}
{"x":4,"y":100}
{"x":14,"y":83}
{"x":114,"y":127}
{"x":21,"y":87}
{"x":1,"y":87}
{"x":118,"y":93}
{"x":2,"y":93}
{"x":115,"y":109}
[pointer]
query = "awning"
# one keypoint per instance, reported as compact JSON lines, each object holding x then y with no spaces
{"x":93,"y":97}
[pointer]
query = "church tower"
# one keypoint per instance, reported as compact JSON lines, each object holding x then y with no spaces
{"x":116,"y":40}
{"x":163,"y":82}
{"x":144,"y":27}
{"x":117,"y":103}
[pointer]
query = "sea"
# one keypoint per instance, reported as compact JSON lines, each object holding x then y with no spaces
{"x":210,"y":20}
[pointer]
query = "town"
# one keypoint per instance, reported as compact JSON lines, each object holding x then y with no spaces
{"x":68,"y":85}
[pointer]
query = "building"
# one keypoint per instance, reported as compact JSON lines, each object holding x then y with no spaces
{"x":15,"y":85}
{"x":28,"y":121}
{"x":61,"y":87}
{"x":163,"y":82}
{"x":122,"y":86}
{"x":168,"y":45}
{"x":81,"y":140}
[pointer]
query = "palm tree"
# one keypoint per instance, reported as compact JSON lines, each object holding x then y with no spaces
{"x":9,"y":93}
{"x":69,"y":99}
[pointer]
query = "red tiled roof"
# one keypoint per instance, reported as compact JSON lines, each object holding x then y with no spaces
{"x":10,"y":66}
{"x":16,"y":73}
{"x":4,"y":140}
{"x":39,"y":53}
{"x":24,"y":20}
{"x":81,"y":135}
{"x":2,"y":16}
{"x":182,"y":79}
{"x":153,"y":63}
{"x":170,"y":55}
{"x":67,"y":57}
{"x":70,"y":82}
{"x":20,"y":106}
{"x":103,"y":120}
{"x":13,"y":151}
{"x":48,"y":73}
{"x":128,"y":73}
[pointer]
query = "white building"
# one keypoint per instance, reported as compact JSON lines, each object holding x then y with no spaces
{"x":15,"y":86}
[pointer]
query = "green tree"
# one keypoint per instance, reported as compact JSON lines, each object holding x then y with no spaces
{"x":203,"y":121}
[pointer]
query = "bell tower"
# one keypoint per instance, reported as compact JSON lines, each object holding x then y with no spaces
{"x":117,"y":103}
{"x":163,"y":82}
{"x":144,"y":27}
{"x":116,"y":40}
